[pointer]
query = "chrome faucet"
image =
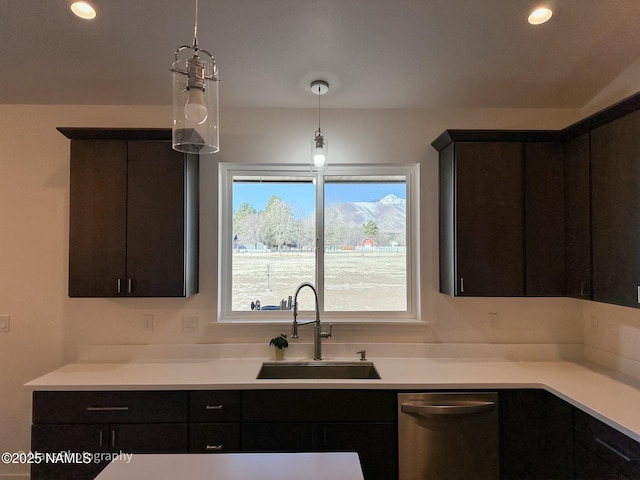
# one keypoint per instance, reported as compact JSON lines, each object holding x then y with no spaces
{"x":318,"y":334}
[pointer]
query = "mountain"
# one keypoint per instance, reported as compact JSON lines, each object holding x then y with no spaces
{"x":389,"y":213}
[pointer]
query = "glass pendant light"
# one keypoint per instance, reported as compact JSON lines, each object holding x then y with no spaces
{"x":319,"y":146}
{"x":195,"y":98}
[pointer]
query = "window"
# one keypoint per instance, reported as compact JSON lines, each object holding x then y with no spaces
{"x":350,"y":230}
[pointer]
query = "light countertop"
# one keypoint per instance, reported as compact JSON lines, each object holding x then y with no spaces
{"x":608,"y":396}
{"x":237,"y":466}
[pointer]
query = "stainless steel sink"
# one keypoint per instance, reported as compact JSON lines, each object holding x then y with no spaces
{"x":318,"y":370}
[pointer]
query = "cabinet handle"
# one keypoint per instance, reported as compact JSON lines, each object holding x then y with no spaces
{"x":113,"y":438}
{"x":213,"y":447}
{"x":461,"y":285}
{"x":623,"y":455}
{"x":100,"y":441}
{"x":107,"y":409}
{"x":129,"y":286}
{"x":213,"y":407}
{"x":119,"y":286}
{"x":638,"y":293}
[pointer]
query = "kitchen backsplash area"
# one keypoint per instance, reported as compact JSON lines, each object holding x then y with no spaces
{"x":612,"y":337}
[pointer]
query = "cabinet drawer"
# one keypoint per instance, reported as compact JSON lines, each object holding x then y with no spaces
{"x":214,"y":406}
{"x":214,"y":437}
{"x":615,"y":448}
{"x":319,"y":406}
{"x":110,"y":407}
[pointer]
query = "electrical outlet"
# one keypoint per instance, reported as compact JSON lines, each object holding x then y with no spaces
{"x":147,"y":322}
{"x":190,"y":323}
{"x":494,"y":320}
{"x":5,"y":323}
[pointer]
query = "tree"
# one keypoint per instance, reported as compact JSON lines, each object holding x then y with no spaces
{"x":278,"y":223}
{"x":371,"y":229}
{"x":249,"y":228}
{"x":241,"y":213}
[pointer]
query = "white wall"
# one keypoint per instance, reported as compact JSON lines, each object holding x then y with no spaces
{"x":47,"y":327}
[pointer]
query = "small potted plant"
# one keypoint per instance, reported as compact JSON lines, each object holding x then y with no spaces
{"x":280,"y":343}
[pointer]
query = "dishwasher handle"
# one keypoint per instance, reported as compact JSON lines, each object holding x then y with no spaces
{"x":449,"y":408}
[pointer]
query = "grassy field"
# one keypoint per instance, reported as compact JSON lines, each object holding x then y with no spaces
{"x":354,"y":280}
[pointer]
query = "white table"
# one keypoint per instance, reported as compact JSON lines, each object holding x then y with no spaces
{"x":236,"y":466}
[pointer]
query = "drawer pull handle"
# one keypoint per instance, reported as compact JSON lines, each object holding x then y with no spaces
{"x":213,"y":447}
{"x":619,"y":452}
{"x":214,"y":407}
{"x":107,"y":409}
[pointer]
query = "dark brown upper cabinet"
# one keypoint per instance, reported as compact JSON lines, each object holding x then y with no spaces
{"x":481,"y":219}
{"x":544,"y":210}
{"x":615,"y":208}
{"x":580,"y":202}
{"x":501,"y":217}
{"x":577,"y":217}
{"x":133,"y":216}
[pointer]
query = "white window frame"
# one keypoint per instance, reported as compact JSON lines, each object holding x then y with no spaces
{"x":226,"y":173}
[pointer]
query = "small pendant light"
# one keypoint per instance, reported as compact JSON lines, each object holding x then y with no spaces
{"x":195,"y":98}
{"x":319,"y":147}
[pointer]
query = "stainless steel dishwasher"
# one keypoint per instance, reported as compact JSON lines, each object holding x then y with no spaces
{"x":448,"y":436}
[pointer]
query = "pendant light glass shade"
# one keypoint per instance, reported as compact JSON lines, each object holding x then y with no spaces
{"x":195,"y":99}
{"x":319,"y":146}
{"x":319,"y":150}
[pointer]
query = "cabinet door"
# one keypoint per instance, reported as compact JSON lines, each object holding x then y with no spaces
{"x":59,"y":439}
{"x":279,"y":437}
{"x":97,"y":218}
{"x":537,"y":436}
{"x":577,"y":218}
{"x":544,"y":219}
{"x":375,"y":443}
{"x":489,"y":219}
{"x":149,"y":438}
{"x":615,"y":180}
{"x":156,"y":220}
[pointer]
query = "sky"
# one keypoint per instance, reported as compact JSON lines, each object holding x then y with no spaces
{"x":301,"y":196}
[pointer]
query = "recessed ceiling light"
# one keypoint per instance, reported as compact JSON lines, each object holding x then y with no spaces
{"x":539,"y":16}
{"x":83,"y":10}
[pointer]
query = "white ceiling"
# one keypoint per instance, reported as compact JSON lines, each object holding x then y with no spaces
{"x":374,"y":53}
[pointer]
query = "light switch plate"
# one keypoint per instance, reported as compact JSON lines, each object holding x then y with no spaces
{"x":5,"y":323}
{"x":190,"y":323}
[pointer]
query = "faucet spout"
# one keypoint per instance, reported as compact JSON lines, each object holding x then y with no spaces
{"x":318,"y":334}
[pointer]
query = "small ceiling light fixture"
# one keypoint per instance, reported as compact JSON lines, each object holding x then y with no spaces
{"x":83,"y":10}
{"x":319,"y":147}
{"x":540,"y":15}
{"x":195,"y":98}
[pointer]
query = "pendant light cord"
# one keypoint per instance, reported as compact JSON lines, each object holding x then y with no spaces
{"x":319,"y":95}
{"x":195,"y":27}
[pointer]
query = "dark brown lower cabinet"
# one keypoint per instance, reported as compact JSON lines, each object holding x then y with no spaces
{"x":84,"y":426}
{"x":537,"y":436}
{"x":603,"y":452}
{"x":79,"y":451}
{"x":542,"y":436}
{"x":362,"y":421}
